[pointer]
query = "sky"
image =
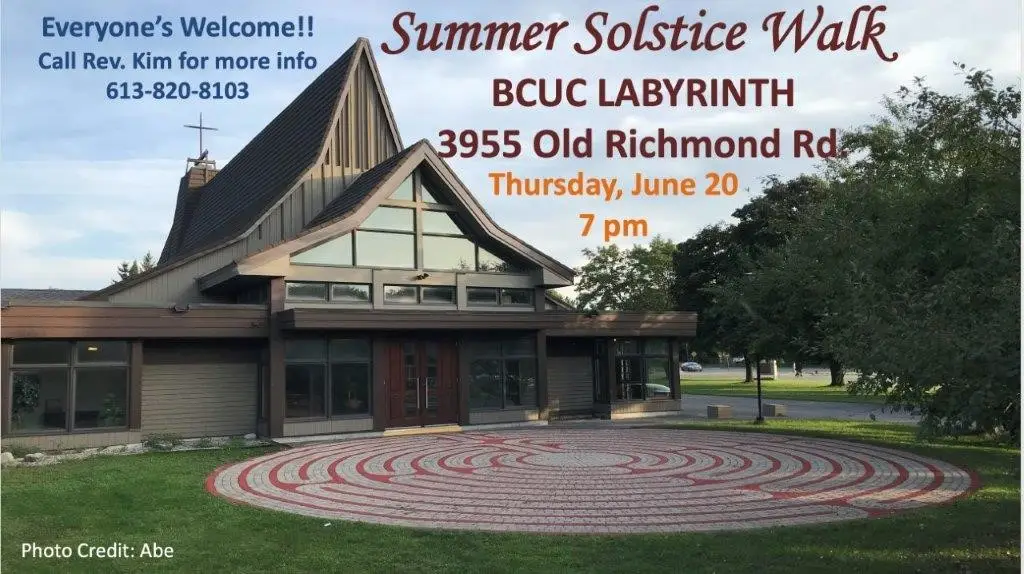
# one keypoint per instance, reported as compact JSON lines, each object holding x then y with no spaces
{"x":90,"y":181}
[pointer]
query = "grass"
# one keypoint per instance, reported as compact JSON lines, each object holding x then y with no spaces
{"x":807,"y":389}
{"x":159,"y":498}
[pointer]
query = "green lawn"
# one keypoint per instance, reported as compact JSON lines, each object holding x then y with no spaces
{"x":159,"y":498}
{"x":816,"y":389}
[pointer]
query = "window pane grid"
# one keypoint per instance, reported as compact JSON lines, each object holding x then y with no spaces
{"x":351,"y":293}
{"x":493,"y":297}
{"x":643,"y":370}
{"x":305,"y":291}
{"x":87,"y":390}
{"x":337,"y":384}
{"x":391,"y":219}
{"x":482,"y":296}
{"x":391,"y":236}
{"x":337,"y":251}
{"x":394,"y":249}
{"x":503,"y":374}
{"x":419,"y":295}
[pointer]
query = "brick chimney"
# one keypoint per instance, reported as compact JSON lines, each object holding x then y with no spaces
{"x":200,"y":173}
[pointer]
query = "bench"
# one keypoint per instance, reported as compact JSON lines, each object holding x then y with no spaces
{"x":773,"y":410}
{"x":719,"y":411}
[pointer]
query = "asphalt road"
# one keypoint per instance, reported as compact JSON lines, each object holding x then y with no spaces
{"x":785,"y":373}
{"x":695,"y":406}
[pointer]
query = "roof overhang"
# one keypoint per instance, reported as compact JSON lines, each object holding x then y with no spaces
{"x":555,"y":323}
{"x":234,"y":277}
{"x":102,"y":320}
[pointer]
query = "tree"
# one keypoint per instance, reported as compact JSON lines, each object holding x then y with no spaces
{"x":785,"y":311}
{"x":713,"y":270}
{"x":124,"y":271}
{"x":563,"y":299}
{"x":147,"y":262}
{"x":917,"y":252}
{"x":701,"y":264}
{"x":129,"y":269}
{"x":769,"y":220}
{"x":637,"y":279}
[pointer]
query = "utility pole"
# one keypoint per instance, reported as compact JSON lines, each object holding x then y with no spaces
{"x":760,"y":409}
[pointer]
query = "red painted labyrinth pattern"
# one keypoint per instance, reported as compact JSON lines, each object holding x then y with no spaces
{"x":591,"y":481}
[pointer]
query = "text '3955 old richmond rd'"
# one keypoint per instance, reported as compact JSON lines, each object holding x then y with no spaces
{"x":632,"y":144}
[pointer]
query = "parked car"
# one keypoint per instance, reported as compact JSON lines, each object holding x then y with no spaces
{"x":656,"y":390}
{"x":691,"y":367}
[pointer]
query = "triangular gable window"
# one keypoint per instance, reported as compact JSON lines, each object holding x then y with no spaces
{"x":392,"y":234}
{"x":446,"y":247}
{"x":391,"y":219}
{"x":387,"y":238}
{"x":427,"y":196}
{"x":404,"y":191}
{"x":440,"y":222}
{"x":487,"y":261}
{"x":337,"y":251}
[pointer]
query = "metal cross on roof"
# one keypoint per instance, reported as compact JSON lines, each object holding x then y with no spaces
{"x":201,"y":128}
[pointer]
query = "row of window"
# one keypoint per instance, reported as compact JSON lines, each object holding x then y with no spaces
{"x":407,"y":294}
{"x":391,"y":249}
{"x":335,"y":292}
{"x":65,"y":386}
{"x":333,"y":378}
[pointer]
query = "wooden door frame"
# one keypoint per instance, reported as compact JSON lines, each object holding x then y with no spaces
{"x":392,"y":358}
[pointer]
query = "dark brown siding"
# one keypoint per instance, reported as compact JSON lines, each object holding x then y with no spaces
{"x":380,"y":375}
{"x":176,"y":352}
{"x":275,"y":368}
{"x":557,"y":323}
{"x":135,"y":387}
{"x":200,"y":390}
{"x":571,"y":385}
{"x":197,"y":400}
{"x":542,"y":374}
{"x":5,"y":380}
{"x":110,"y":321}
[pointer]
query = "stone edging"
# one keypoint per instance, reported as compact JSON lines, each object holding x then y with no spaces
{"x":7,"y":458}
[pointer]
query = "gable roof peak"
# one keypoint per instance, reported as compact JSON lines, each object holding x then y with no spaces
{"x":272,"y":162}
{"x":371,"y":187}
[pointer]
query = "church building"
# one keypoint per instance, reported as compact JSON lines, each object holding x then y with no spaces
{"x":328,"y":279}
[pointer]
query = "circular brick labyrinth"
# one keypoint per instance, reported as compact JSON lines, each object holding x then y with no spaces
{"x":591,"y":481}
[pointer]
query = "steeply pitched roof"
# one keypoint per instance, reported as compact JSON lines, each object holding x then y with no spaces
{"x":265,"y":169}
{"x":41,"y":294}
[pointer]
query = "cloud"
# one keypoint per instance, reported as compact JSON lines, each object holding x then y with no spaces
{"x":89,"y":182}
{"x":20,"y":232}
{"x":70,"y":227}
{"x":25,"y":263}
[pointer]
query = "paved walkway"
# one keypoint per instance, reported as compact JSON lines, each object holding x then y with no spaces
{"x":695,"y":406}
{"x":591,"y":481}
